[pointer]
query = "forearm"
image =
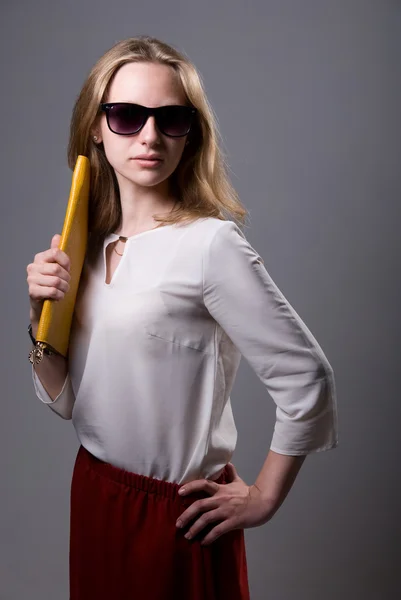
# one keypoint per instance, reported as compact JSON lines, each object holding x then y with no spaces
{"x":277,"y":476}
{"x":52,"y":370}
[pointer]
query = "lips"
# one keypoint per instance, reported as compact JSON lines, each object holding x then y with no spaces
{"x":148,"y":163}
{"x":148,"y":157}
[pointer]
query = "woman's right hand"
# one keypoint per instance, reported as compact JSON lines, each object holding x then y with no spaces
{"x":48,"y":277}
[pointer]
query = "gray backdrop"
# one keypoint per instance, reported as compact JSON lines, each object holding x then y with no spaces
{"x":308,"y":96}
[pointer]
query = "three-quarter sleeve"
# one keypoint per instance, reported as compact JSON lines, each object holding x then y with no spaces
{"x":242,"y":297}
{"x":63,"y":403}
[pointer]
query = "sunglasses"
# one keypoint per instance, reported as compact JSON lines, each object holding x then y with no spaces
{"x":125,"y":118}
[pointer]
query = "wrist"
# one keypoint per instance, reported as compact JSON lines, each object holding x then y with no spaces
{"x":35,"y":325}
{"x":34,"y":317}
{"x":34,"y":314}
{"x":270,"y":500}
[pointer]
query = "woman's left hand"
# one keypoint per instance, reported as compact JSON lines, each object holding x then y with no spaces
{"x":235,"y":505}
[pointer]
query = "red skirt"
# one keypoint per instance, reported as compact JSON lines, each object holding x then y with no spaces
{"x":124,"y":543}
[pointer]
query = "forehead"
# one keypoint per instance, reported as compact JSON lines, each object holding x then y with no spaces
{"x":150,"y":84}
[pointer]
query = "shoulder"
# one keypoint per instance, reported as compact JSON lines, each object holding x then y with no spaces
{"x":207,"y":229}
{"x":207,"y":237}
{"x":224,"y":242}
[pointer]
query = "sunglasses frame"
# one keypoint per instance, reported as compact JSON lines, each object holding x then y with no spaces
{"x":105,"y":106}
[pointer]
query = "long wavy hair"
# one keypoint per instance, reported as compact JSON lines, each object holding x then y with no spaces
{"x":200,"y":182}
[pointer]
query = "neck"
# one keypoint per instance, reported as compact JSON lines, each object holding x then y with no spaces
{"x":139,"y":205}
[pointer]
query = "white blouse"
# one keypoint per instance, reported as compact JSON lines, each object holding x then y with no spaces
{"x":154,"y":354}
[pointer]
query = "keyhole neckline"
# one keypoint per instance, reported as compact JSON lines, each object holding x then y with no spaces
{"x":115,"y":236}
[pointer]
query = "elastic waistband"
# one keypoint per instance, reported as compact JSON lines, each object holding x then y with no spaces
{"x":140,"y":482}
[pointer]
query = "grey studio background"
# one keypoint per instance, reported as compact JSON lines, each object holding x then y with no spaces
{"x":307,"y":95}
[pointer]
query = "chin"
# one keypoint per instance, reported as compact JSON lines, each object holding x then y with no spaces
{"x":149,"y":177}
{"x":148,"y":181}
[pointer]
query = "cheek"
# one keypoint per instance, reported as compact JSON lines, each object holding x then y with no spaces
{"x":116,"y":149}
{"x":175,"y":152}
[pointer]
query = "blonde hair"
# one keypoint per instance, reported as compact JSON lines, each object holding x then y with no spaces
{"x":201,"y":183}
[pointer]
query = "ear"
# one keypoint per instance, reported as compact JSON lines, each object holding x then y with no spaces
{"x":96,"y":137}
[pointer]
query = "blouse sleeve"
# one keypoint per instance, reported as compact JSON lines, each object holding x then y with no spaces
{"x":242,"y":297}
{"x":63,"y":403}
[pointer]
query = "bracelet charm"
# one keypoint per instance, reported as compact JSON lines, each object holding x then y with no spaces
{"x":36,"y":354}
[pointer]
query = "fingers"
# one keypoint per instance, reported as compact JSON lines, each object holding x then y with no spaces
{"x":51,"y":273}
{"x":48,"y":276}
{"x":42,"y":292}
{"x":196,"y":507}
{"x":59,"y":255}
{"x":53,"y":255}
{"x":199,"y":485}
{"x":55,"y":241}
{"x":206,"y":520}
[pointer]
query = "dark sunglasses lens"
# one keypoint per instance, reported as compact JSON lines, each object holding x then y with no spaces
{"x":125,"y":119}
{"x":175,"y":121}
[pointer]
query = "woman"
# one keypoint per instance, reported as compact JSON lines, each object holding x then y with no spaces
{"x":171,"y":295}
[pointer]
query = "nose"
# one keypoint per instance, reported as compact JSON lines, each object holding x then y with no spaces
{"x":149,"y":132}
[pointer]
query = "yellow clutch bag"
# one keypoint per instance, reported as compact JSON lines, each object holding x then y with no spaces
{"x":56,"y":317}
